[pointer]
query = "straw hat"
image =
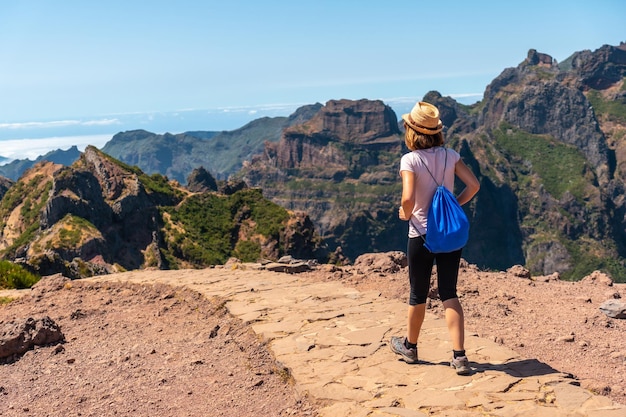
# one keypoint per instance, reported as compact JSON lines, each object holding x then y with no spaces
{"x":424,"y":118}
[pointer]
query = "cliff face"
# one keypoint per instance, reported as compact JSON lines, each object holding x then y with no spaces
{"x":358,"y":122}
{"x":337,"y":126}
{"x":340,"y":167}
{"x":600,"y":69}
{"x":547,"y":143}
{"x":534,"y":98}
{"x":550,"y":139}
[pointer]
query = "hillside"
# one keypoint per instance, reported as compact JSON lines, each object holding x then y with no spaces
{"x":549,"y":162}
{"x":340,"y":167}
{"x":99,"y":216}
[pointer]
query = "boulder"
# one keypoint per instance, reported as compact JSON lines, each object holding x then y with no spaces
{"x":598,"y":278}
{"x":19,"y":336}
{"x":386,"y":262}
{"x":614,"y":308}
{"x":519,"y":271}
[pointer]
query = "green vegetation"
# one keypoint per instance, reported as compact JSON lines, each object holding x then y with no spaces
{"x":346,"y":191}
{"x":203,"y":237}
{"x":269,"y":217}
{"x":13,"y":276}
{"x":539,"y":160}
{"x":74,"y":230}
{"x":561,"y":167}
{"x":613,"y":109}
{"x":25,"y":192}
{"x":205,"y":227}
{"x":247,"y":251}
{"x":33,"y":196}
{"x":157,"y":183}
{"x":586,"y":261}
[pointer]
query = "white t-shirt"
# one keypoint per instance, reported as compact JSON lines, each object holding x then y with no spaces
{"x":425,"y":186}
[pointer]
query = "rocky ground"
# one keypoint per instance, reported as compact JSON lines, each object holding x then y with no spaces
{"x":557,"y":322}
{"x":155,"y":350}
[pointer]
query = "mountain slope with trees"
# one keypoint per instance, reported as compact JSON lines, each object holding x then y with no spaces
{"x":100,"y":215}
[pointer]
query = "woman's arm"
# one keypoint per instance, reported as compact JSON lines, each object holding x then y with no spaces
{"x":468,"y":178}
{"x":408,"y":199}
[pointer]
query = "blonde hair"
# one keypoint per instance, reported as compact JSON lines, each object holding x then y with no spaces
{"x":416,"y":140}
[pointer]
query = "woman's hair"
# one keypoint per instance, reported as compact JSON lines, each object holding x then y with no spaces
{"x":416,"y":140}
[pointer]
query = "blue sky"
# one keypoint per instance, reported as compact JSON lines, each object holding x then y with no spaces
{"x":89,"y":65}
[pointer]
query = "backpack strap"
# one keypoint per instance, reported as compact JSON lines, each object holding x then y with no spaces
{"x":445,"y":164}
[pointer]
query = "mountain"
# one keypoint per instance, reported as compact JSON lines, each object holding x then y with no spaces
{"x":100,"y":215}
{"x":221,"y":153}
{"x":341,"y":168}
{"x":14,"y":169}
{"x":548,"y":147}
{"x":547,"y":143}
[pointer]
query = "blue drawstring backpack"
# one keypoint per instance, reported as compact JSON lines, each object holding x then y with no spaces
{"x":448,"y":226}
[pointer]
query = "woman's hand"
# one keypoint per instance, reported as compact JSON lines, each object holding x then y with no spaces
{"x":401,"y":214}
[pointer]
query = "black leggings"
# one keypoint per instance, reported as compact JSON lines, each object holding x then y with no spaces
{"x":421,"y":262}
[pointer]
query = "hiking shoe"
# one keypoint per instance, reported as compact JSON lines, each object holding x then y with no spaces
{"x":461,"y":364}
{"x":397,"y":347}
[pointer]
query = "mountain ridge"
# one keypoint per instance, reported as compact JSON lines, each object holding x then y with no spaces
{"x":547,"y":143}
{"x":99,"y":216}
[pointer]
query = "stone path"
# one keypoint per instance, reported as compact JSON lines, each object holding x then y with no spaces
{"x":334,"y":341}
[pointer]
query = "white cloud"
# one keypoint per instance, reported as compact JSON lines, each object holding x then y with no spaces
{"x":58,"y":123}
{"x":101,"y":122}
{"x":38,"y":125}
{"x":33,"y":148}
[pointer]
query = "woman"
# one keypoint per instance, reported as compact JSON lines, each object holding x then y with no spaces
{"x":424,"y":138}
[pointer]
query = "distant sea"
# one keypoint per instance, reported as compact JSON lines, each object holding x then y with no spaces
{"x":31,"y":139}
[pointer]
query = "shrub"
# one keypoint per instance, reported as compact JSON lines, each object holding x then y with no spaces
{"x":13,"y":276}
{"x":247,"y":251}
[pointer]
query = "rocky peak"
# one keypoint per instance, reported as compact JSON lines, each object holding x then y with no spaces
{"x":455,"y":119}
{"x":599,"y":69}
{"x":533,"y":98}
{"x":361,"y":121}
{"x":537,"y":58}
{"x":113,"y":178}
{"x":337,"y":142}
{"x":201,"y":180}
